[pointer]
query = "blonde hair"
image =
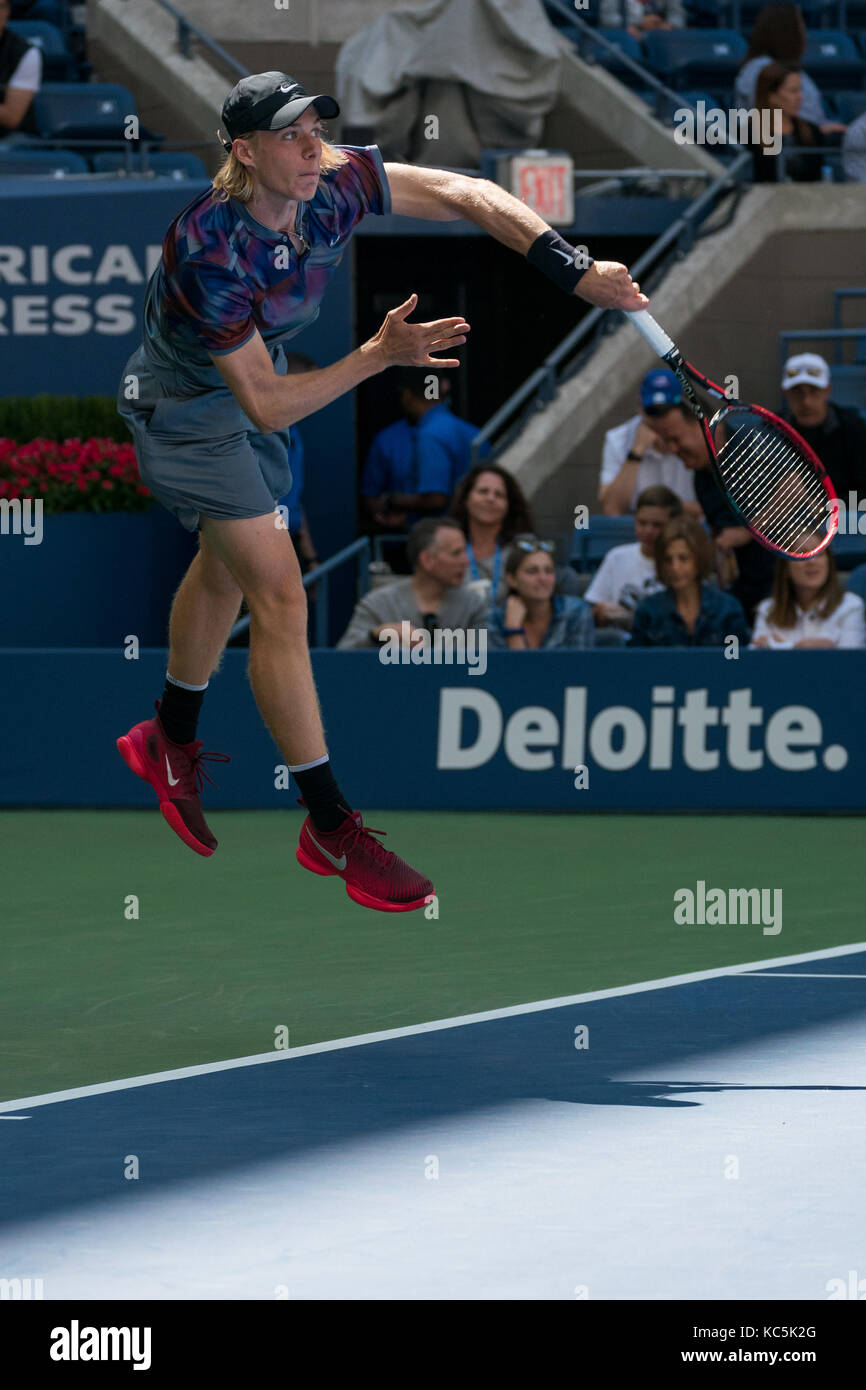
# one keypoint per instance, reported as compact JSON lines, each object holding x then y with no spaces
{"x":234,"y":180}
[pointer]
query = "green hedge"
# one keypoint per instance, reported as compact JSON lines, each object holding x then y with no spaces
{"x":23,"y":418}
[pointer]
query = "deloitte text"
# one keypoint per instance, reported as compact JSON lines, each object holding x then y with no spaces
{"x":688,"y":730}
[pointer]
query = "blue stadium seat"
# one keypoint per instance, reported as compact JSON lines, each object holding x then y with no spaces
{"x":849,"y":382}
{"x":83,"y":111}
{"x":589,"y":547}
{"x":167,"y":165}
{"x":860,"y":39}
{"x":593,"y":53}
{"x":848,"y":105}
{"x":50,"y":163}
{"x":58,"y":64}
{"x":833,"y":60}
{"x":695,"y":57}
{"x":815,"y":12}
{"x":857,"y":582}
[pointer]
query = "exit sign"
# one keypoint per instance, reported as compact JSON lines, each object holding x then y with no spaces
{"x":544,"y":181}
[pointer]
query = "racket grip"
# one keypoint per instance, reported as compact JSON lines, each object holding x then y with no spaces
{"x":655,"y":335}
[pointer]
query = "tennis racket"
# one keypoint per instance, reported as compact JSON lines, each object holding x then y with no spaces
{"x":775,"y":483}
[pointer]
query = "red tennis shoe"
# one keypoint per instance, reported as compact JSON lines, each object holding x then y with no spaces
{"x":374,"y":877}
{"x":175,"y":772}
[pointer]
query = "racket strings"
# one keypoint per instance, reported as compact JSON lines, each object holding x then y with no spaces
{"x":772,"y":482}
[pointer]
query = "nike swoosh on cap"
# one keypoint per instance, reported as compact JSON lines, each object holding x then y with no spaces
{"x":337,"y":863}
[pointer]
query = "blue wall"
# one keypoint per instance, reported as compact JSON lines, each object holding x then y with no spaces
{"x":772,"y":730}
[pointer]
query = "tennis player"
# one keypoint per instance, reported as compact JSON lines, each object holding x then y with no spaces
{"x":244,"y":268}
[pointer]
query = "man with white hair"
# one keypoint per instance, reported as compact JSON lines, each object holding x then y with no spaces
{"x":837,"y":433}
{"x":244,"y":269}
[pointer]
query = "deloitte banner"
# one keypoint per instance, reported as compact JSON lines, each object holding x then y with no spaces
{"x":588,"y":731}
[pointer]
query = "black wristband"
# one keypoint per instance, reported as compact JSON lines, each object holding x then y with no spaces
{"x":554,"y":257}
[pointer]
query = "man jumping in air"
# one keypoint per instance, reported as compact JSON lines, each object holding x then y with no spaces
{"x":244,"y":268}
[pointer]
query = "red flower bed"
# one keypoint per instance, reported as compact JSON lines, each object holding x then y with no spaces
{"x":79,"y":475}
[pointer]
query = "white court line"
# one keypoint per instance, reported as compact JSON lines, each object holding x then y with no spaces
{"x":435,"y":1025}
{"x":799,"y":975}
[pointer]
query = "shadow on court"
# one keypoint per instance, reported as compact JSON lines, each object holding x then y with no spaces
{"x":73,"y":1152}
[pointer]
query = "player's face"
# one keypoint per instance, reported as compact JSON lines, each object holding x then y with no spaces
{"x":287,"y":162}
{"x":488,"y":501}
{"x":808,"y":404}
{"x":680,"y":567}
{"x":648,"y":524}
{"x":535,"y":578}
{"x":446,"y":559}
{"x":683,"y":437}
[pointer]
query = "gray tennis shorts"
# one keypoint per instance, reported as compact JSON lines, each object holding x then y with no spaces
{"x":201,"y":455}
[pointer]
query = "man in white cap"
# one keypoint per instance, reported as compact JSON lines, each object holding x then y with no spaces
{"x":837,"y":433}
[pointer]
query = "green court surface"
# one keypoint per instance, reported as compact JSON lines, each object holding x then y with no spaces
{"x":225,"y":951}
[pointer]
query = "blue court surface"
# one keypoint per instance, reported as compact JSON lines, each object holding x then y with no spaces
{"x":696,"y":1137}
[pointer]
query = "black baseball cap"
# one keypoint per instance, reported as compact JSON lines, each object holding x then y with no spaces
{"x":269,"y":101}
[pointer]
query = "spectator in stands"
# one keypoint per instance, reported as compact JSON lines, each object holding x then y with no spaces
{"x":779,"y":36}
{"x":414,"y":465}
{"x":20,"y":78}
{"x":628,"y":572}
{"x":780,"y":89}
{"x":532,"y":615}
{"x":809,"y":608}
{"x":633,"y":457}
{"x":294,"y":501}
{"x":642,"y":16}
{"x":744,"y":566}
{"x":837,"y":433}
{"x":854,"y":151}
{"x":687,"y":612}
{"x":490,"y":506}
{"x":433,"y":597}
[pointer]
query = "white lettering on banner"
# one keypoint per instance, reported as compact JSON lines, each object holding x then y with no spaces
{"x":76,"y":264}
{"x":618,"y":738}
{"x":72,"y":315}
{"x":73,"y":264}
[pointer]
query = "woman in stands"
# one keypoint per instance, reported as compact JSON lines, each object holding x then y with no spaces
{"x":490,"y":506}
{"x":809,"y":608}
{"x":780,"y":88}
{"x":20,"y":78}
{"x":688,"y":612}
{"x":779,"y":36}
{"x":533,"y":616}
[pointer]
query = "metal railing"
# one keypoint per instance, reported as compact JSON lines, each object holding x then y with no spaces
{"x":320,"y":577}
{"x":186,"y":31}
{"x":837,"y":336}
{"x":540,"y":388}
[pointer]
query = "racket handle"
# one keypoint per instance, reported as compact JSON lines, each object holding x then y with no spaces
{"x":655,"y":335}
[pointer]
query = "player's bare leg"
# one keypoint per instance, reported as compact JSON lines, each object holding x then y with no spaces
{"x":261,"y":557}
{"x":204,"y":611}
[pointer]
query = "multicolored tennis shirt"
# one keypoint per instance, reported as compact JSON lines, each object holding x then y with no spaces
{"x":223,"y":275}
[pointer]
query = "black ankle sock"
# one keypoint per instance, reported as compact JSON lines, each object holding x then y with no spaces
{"x":325,"y":802}
{"x":178,"y":712}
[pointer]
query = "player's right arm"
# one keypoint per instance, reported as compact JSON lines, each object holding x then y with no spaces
{"x":275,"y":402}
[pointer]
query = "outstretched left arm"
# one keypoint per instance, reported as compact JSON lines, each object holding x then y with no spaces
{"x":440,"y":196}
